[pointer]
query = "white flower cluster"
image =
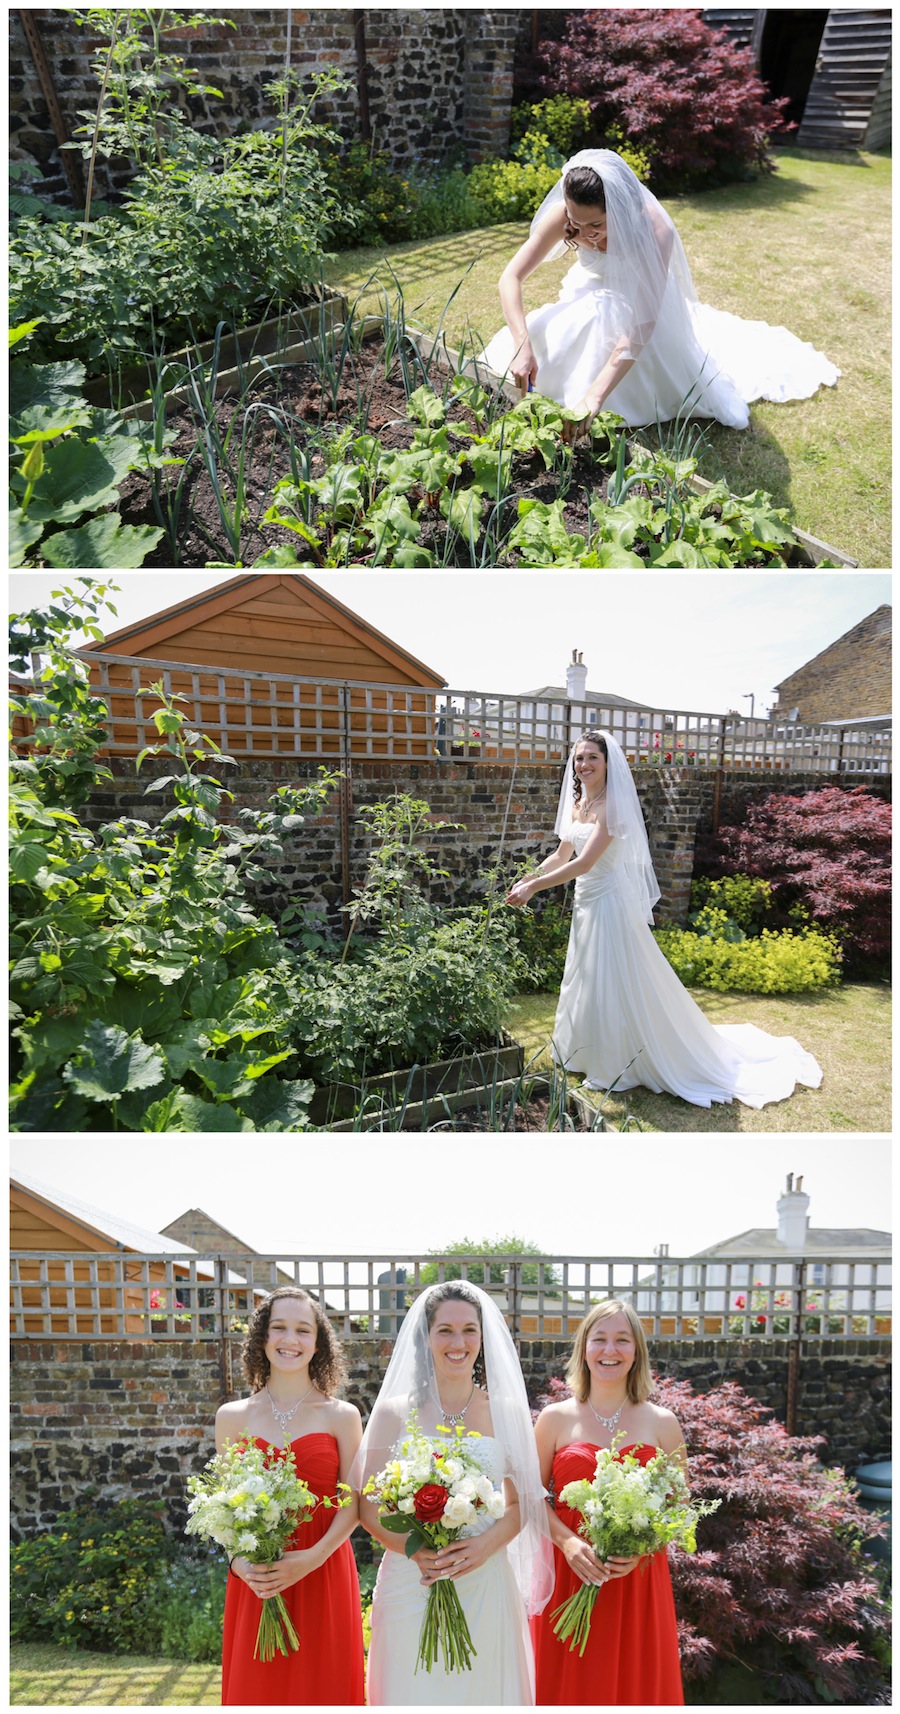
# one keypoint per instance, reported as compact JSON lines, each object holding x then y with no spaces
{"x":423,"y":1463}
{"x":248,"y":1501}
{"x":629,"y":1507}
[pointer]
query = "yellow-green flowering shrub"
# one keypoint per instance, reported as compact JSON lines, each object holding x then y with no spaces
{"x":777,"y":962}
{"x":743,"y":898}
{"x":511,"y":190}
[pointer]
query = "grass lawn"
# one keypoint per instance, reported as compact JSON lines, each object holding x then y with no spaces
{"x":847,"y":1028}
{"x":808,"y":247}
{"x":41,"y":1674}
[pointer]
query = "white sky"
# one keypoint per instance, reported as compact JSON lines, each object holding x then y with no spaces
{"x":606,"y":1196}
{"x":697,"y":641}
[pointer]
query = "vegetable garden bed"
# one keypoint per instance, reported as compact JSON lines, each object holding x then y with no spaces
{"x":379,"y":447}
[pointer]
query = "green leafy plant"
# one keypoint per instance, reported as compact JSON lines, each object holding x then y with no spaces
{"x":92,"y":1580}
{"x":68,"y":463}
{"x":209,"y":229}
{"x":147,"y":993}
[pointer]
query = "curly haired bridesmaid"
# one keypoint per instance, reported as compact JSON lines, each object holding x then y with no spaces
{"x":294,"y":1365}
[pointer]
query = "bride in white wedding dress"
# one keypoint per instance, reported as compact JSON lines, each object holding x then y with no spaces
{"x":454,"y":1362}
{"x":623,"y":1016}
{"x":627,"y":332}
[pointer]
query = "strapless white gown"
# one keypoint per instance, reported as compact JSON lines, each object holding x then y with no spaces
{"x":502,"y":1672}
{"x":721,"y":360}
{"x":621,"y":1002}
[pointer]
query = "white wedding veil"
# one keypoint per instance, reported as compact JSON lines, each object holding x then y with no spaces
{"x":643,"y":249}
{"x":410,"y":1384}
{"x":624,"y":819}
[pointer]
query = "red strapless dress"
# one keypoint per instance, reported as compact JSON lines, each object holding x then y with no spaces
{"x":329,"y":1665}
{"x":631,"y":1655}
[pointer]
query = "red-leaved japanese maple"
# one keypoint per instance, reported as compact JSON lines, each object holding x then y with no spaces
{"x":670,"y":84}
{"x":779,"y":1583}
{"x":829,"y":850}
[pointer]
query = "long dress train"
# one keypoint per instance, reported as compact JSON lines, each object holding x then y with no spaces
{"x":699,"y":361}
{"x":502,"y":1672}
{"x":631,"y":1655}
{"x":329,"y":1666}
{"x":623,"y":1016}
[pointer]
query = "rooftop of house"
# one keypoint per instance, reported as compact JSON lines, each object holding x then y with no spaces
{"x":759,"y":1241}
{"x":559,"y":693}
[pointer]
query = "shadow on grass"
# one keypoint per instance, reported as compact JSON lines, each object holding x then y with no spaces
{"x":123,"y":1681}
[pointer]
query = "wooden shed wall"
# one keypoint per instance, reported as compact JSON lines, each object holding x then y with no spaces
{"x":278,"y":626}
{"x":37,"y":1228}
{"x":849,"y":102}
{"x":853,"y":57}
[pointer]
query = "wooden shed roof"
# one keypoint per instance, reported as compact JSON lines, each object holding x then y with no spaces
{"x":259,"y":611}
{"x":79,"y":1219}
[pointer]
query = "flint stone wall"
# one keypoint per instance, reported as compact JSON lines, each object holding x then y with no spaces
{"x":128,"y":1418}
{"x":439,"y":81}
{"x":677,"y":805}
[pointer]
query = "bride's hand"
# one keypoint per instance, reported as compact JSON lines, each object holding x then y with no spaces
{"x":461,"y":1557}
{"x":426,"y":1559}
{"x":520,"y":893}
{"x":523,"y":368}
{"x":587,"y":409}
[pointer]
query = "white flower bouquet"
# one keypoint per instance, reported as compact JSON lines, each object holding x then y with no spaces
{"x":627,"y":1508}
{"x":431,"y":1494}
{"x":250,"y":1500}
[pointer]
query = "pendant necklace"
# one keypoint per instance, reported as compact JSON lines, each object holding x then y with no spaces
{"x":283,"y":1417}
{"x":591,"y":802}
{"x":609,"y":1422}
{"x":454,"y":1417}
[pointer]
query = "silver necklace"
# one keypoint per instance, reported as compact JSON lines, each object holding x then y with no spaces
{"x":455,"y":1416}
{"x":609,"y":1422}
{"x":590,"y":803}
{"x":283,"y":1417}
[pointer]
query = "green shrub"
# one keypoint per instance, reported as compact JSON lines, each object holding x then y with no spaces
{"x":744,"y":898}
{"x":215,"y":231}
{"x":542,"y":938}
{"x":777,"y":962}
{"x":372,"y":202}
{"x":92,"y":1582}
{"x":564,"y":121}
{"x":190,"y":1605}
{"x":436,"y":988}
{"x":510,"y":190}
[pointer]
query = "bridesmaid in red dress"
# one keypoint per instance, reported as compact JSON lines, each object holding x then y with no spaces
{"x":293,"y":1364}
{"x":631,"y":1655}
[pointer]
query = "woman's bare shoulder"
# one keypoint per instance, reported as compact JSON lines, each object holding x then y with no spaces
{"x":234,"y":1414}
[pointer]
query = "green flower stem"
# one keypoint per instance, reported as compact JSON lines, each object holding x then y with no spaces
{"x":276,"y":1634}
{"x":573,"y":1618}
{"x":445,"y":1630}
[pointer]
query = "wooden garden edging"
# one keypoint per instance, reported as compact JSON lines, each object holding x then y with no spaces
{"x":422,"y":1092}
{"x":268,"y":350}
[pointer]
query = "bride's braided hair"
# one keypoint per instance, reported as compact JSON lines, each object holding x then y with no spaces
{"x":584,"y":186}
{"x":599,"y":742}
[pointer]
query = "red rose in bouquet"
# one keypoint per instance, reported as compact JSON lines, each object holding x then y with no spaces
{"x":430,"y":1503}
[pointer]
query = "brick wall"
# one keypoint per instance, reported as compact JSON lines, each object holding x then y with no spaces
{"x":127,"y":1418}
{"x":850,"y":680}
{"x":677,"y":805}
{"x":439,"y":79}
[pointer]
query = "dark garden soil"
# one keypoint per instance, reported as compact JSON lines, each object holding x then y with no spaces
{"x":297,"y":393}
